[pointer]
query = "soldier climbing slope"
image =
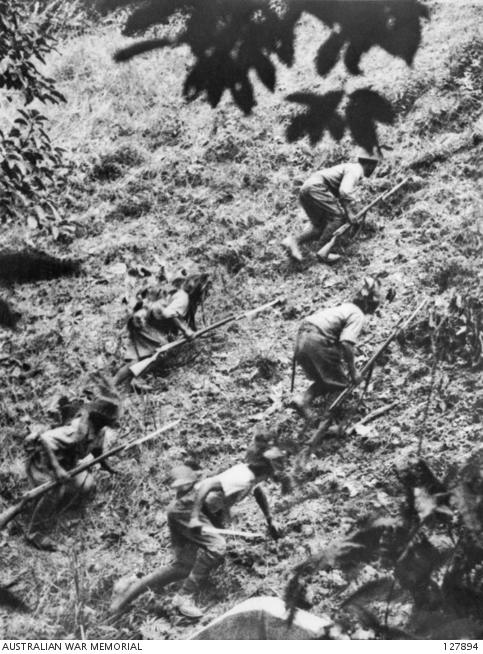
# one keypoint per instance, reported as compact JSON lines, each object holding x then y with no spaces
{"x":159,"y":317}
{"x":199,"y":509}
{"x":326,"y":339}
{"x":327,"y":198}
{"x":56,"y":451}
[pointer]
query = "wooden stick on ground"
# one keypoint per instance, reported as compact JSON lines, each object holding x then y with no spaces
{"x":371,"y":416}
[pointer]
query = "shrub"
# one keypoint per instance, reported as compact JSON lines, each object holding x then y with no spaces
{"x":28,"y":160}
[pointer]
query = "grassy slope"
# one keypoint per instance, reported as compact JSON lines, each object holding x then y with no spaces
{"x":157,"y":178}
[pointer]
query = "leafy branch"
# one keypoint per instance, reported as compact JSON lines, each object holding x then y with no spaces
{"x":29,"y":162}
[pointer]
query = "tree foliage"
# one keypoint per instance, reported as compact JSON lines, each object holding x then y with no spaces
{"x":230,"y":39}
{"x":453,"y":330}
{"x":431,"y":556}
{"x":28,"y":159}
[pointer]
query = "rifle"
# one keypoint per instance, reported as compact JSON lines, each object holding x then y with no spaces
{"x":206,"y":529}
{"x":322,"y":430}
{"x":358,"y":218}
{"x":139,"y":367}
{"x":33,"y":494}
{"x":231,"y":532}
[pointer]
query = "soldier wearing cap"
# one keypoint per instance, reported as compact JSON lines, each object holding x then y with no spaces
{"x":56,"y":451}
{"x":327,"y":198}
{"x":207,"y":503}
{"x":159,"y":317}
{"x":326,"y":340}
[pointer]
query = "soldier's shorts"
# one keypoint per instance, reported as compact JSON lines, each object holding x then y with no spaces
{"x":322,"y":208}
{"x":183,"y":538}
{"x":321,"y":361}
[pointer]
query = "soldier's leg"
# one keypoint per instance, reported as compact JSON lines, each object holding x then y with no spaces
{"x":307,"y":352}
{"x":41,"y":521}
{"x":77,"y":492}
{"x":80,"y":488}
{"x":309,"y":199}
{"x":207,"y":559}
{"x":331,"y":227}
{"x":83,"y":485}
{"x":335,"y":219}
{"x":302,"y":402}
{"x":123,"y":375}
{"x":155,"y":581}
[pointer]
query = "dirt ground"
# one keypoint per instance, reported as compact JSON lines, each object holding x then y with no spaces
{"x":155,"y":180}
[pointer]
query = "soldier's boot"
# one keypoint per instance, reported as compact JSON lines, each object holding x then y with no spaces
{"x":128,"y":589}
{"x":186,"y":606}
{"x":205,"y":562}
{"x":301,"y":403}
{"x":290,"y":243}
{"x":327,"y":258}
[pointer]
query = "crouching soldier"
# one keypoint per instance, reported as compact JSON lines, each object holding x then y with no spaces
{"x":56,"y":451}
{"x":206,"y":504}
{"x":325,"y":342}
{"x":327,"y":198}
{"x":161,"y":317}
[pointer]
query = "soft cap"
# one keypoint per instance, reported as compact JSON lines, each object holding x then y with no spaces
{"x":182,"y":475}
{"x":367,"y":156}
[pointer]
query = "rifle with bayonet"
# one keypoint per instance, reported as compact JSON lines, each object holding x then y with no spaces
{"x":35,"y":493}
{"x":400,"y":327}
{"x":139,"y":367}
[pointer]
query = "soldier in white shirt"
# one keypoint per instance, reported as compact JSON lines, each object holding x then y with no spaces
{"x":207,"y":503}
{"x":327,"y":198}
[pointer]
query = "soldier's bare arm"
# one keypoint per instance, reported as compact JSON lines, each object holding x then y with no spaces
{"x":59,"y":472}
{"x":183,"y":328}
{"x":262,"y":501}
{"x":348,"y":353}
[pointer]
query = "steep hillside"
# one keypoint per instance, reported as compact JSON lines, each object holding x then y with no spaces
{"x":156,"y":180}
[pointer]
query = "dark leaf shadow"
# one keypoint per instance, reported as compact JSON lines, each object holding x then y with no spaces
{"x":364,"y":109}
{"x":213,"y":75}
{"x":140,"y":47}
{"x":230,"y":38}
{"x":319,"y":116}
{"x":151,"y":13}
{"x":328,"y":53}
{"x":394,"y":25}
